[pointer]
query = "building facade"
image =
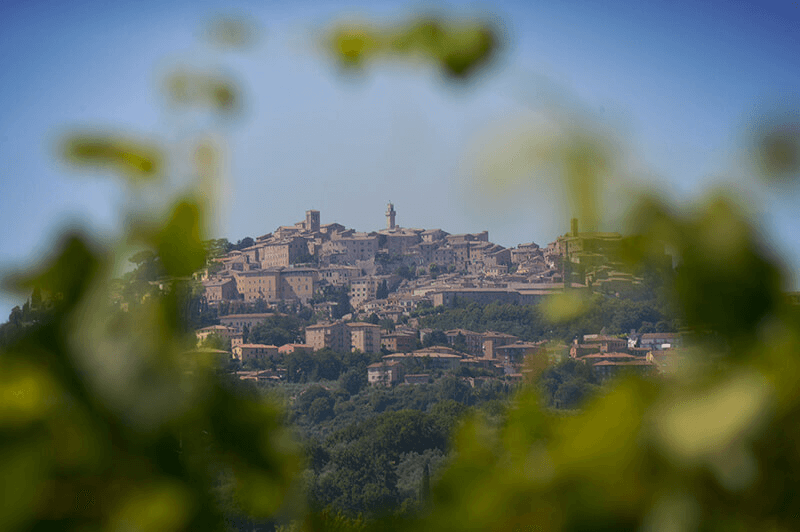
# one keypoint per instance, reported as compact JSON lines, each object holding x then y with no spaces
{"x":365,"y":337}
{"x":334,"y":336}
{"x":245,"y":352}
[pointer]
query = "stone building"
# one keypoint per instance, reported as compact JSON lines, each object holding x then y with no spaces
{"x":221,"y":330}
{"x":245,"y":352}
{"x":446,"y":297}
{"x":298,"y":284}
{"x":365,"y":337}
{"x":288,"y":349}
{"x":494,"y":340}
{"x":526,"y":253}
{"x":390,"y":217}
{"x":399,"y":241}
{"x":347,"y":248}
{"x":282,"y":253}
{"x":338,"y":275}
{"x":278,"y":284}
{"x":334,"y":336}
{"x":259,"y":284}
{"x":399,"y":342}
{"x":220,"y":289}
{"x":312,"y":221}
{"x":384,"y":373}
{"x":238,"y":321}
{"x":473,"y":341}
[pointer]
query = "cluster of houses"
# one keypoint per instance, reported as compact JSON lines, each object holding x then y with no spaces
{"x":645,"y":354}
{"x":294,"y":263}
{"x":496,"y":354}
{"x":501,"y":354}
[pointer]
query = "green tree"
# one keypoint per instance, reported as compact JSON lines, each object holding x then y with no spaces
{"x":342,"y":300}
{"x":216,"y":341}
{"x":327,"y":365}
{"x":245,"y":242}
{"x":320,"y":410}
{"x":353,"y":380}
{"x":425,"y":487}
{"x":299,"y":367}
{"x":277,"y":330}
{"x":460,"y":343}
{"x":382,"y":292}
{"x":437,"y":337}
{"x":454,"y":389}
{"x":405,"y":272}
{"x":148,"y":266}
{"x":219,"y":247}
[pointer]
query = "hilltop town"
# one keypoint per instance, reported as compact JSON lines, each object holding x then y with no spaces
{"x":391,"y":271}
{"x":369,"y":288}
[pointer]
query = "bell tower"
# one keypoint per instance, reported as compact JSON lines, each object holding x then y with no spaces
{"x":312,"y":221}
{"x":390,"y":214}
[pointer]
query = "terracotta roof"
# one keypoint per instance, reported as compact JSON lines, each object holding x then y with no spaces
{"x":217,"y":282}
{"x":399,"y":335}
{"x":521,"y":345}
{"x":601,"y":338}
{"x":257,"y":346}
{"x":214,"y":328}
{"x":363,"y":324}
{"x":610,"y":355}
{"x":250,"y":316}
{"x":206,"y":350}
{"x":421,"y":354}
{"x":493,"y":334}
{"x":324,"y":325}
{"x":625,"y":363}
{"x":436,"y":355}
{"x":384,"y":364}
{"x":291,"y":347}
{"x":465,"y":332}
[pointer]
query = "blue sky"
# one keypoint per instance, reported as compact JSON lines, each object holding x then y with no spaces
{"x":678,"y":80}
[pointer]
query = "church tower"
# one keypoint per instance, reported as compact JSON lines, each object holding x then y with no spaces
{"x":390,"y":213}
{"x":312,"y":221}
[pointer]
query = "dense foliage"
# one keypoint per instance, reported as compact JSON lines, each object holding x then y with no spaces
{"x":367,"y":452}
{"x":615,"y":315}
{"x":277,"y":330}
{"x":568,"y":384}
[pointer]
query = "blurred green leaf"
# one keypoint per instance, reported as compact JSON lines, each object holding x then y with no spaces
{"x":68,"y":274}
{"x":135,"y":160}
{"x":231,"y":32}
{"x":776,"y":148}
{"x":197,"y":89}
{"x":459,"y":48}
{"x":158,"y":505}
{"x":180,"y":244}
{"x":353,"y":44}
{"x":559,"y":308}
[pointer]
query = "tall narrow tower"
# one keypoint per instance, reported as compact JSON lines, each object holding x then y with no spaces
{"x":390,"y":214}
{"x":312,"y":221}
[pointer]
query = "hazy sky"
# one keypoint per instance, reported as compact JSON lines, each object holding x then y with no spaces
{"x":677,"y":80}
